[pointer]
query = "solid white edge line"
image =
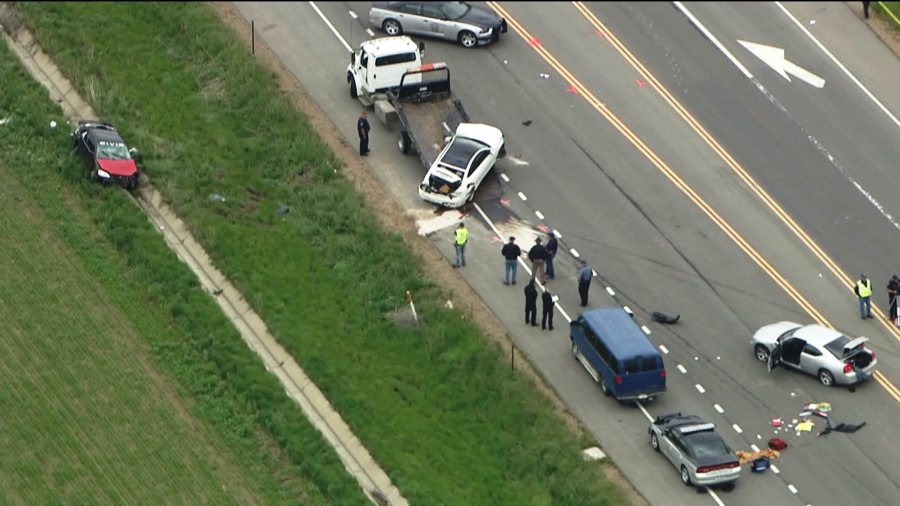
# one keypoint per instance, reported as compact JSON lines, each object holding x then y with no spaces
{"x":838,"y":63}
{"x":712,"y":38}
{"x":715,"y":497}
{"x":644,"y":410}
{"x":328,"y":23}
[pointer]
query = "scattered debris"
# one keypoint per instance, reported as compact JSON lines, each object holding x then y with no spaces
{"x":527,"y":122}
{"x":544,"y":75}
{"x":449,"y":304}
{"x":759,"y":465}
{"x":4,"y":121}
{"x":805,"y":426}
{"x":593,"y":453}
{"x":745,"y":456}
{"x":777,"y":444}
{"x":777,"y":422}
{"x":283,"y":210}
{"x":216,"y":197}
{"x":661,"y":317}
{"x":52,"y":124}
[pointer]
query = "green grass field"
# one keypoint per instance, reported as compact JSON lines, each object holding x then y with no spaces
{"x":106,"y":398}
{"x":436,"y":406}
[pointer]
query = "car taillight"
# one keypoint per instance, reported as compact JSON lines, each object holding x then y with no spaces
{"x":706,"y":469}
{"x":662,"y":373}
{"x":618,"y":380}
{"x":848,"y":368}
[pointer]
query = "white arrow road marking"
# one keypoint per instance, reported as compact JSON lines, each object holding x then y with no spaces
{"x":774,"y":57}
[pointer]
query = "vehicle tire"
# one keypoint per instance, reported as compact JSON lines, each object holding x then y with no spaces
{"x":502,"y":153}
{"x":392,"y":27}
{"x":654,"y":441}
{"x":352,"y":82}
{"x":467,"y":39}
{"x":762,"y":353}
{"x":404,"y":142}
{"x":603,"y":387}
{"x":574,"y":350}
{"x":826,"y":378}
{"x":685,"y":476}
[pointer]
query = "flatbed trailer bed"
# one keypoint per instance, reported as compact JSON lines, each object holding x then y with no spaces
{"x":427,"y":110}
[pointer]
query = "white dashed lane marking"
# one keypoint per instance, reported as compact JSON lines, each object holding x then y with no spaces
{"x":609,"y":290}
{"x":719,"y":408}
{"x":523,"y":197}
{"x":574,"y":253}
{"x":737,"y":428}
{"x":663,"y":349}
{"x":539,"y":214}
{"x":700,"y":388}
{"x":504,"y":177}
{"x":682,"y":369}
{"x":792,"y":488}
{"x":628,"y":310}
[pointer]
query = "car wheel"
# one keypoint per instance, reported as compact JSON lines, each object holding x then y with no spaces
{"x":826,"y":378}
{"x":574,"y":350}
{"x":654,"y":441}
{"x":685,"y":476}
{"x":391,"y":27}
{"x":352,"y":82}
{"x":403,"y":142}
{"x":467,"y":39}
{"x":762,"y":353}
{"x":603,"y":387}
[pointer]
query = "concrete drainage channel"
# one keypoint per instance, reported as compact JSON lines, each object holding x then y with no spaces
{"x":356,"y":459}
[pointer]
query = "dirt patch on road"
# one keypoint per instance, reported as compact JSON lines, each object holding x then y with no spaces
{"x":394,"y":219}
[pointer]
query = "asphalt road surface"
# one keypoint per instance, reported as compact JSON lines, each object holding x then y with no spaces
{"x":691,"y":188}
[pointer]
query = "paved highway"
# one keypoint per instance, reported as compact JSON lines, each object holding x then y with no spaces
{"x":689,"y":191}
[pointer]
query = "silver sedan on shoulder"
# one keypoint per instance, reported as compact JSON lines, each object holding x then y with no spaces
{"x":469,"y":25}
{"x":815,"y":349}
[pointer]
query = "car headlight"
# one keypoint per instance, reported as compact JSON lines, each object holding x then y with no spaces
{"x":485,"y":31}
{"x":102,"y":173}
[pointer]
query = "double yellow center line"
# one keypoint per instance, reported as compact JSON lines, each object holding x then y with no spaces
{"x":679,"y":183}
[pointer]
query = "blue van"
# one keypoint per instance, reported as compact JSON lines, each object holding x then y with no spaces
{"x":617,"y":354}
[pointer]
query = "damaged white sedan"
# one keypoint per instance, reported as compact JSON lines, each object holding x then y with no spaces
{"x":461,"y":166}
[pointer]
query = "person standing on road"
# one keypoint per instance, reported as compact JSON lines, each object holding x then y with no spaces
{"x":893,"y":287}
{"x":866,"y":9}
{"x":531,"y":303}
{"x":511,"y":253}
{"x":547,"y":306}
{"x":538,"y":256}
{"x":362,"y":128}
{"x":461,"y":237}
{"x":585,"y":275}
{"x":863,"y":290}
{"x":552,"y":247}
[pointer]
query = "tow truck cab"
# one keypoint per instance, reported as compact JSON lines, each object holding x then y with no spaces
{"x":379,"y":64}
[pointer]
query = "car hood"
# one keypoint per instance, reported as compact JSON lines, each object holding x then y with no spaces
{"x":118,"y":167}
{"x":770,"y":333}
{"x":479,"y":16}
{"x":490,"y":135}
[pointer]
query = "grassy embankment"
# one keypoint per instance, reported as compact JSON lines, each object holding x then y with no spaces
{"x":435,"y":405}
{"x":113,"y":363}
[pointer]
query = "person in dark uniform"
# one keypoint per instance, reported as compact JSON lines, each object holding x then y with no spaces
{"x":893,"y":287}
{"x":531,"y":296}
{"x":585,"y":275}
{"x":547,"y":317}
{"x":866,"y":9}
{"x":552,"y":247}
{"x":362,"y":128}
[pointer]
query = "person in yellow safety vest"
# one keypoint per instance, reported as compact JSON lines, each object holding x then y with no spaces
{"x":459,"y":241}
{"x":863,"y":290}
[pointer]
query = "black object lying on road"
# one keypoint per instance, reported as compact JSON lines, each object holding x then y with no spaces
{"x":664,"y":318}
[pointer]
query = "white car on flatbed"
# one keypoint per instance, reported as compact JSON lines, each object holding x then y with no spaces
{"x":461,"y":166}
